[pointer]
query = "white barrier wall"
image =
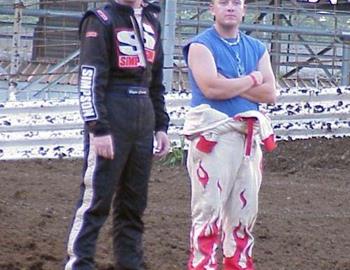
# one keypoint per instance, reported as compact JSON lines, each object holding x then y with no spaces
{"x":53,"y":129}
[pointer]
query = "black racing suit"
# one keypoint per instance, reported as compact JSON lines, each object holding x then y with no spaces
{"x":121,"y":93}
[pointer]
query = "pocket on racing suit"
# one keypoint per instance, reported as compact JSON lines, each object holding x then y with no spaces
{"x":199,"y":148}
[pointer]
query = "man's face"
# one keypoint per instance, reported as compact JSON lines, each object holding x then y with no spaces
{"x":131,"y":3}
{"x":228,"y":12}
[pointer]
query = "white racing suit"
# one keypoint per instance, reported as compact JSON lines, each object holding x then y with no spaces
{"x":224,"y":164}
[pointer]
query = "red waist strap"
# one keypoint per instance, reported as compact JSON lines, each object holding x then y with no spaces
{"x":249,"y":137}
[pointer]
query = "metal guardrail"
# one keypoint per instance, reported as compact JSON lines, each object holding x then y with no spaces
{"x":295,"y":46}
{"x":54,"y":129}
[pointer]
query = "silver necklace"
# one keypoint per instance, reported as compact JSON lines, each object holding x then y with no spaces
{"x":232,"y":43}
{"x":237,"y":59}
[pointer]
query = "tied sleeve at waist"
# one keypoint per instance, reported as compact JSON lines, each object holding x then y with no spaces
{"x":207,"y":123}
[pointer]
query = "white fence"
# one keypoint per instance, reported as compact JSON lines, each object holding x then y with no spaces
{"x":53,"y":129}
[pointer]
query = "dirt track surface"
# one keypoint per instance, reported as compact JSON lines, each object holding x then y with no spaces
{"x":303,"y":224}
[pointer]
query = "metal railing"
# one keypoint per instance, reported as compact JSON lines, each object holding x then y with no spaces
{"x":40,"y":46}
{"x":305,"y":57}
{"x":309,"y":46}
{"x":53,"y":129}
{"x":306,"y":42}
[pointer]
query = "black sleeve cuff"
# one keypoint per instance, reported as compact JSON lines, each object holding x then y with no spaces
{"x":162,"y":128}
{"x":97,"y":128}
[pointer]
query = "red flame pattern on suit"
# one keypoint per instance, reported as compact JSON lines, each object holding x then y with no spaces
{"x":208,"y":241}
{"x":202,"y":174}
{"x":243,"y":199}
{"x":242,"y":249}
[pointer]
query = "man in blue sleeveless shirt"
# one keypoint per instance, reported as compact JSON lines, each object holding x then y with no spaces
{"x":230,"y":74}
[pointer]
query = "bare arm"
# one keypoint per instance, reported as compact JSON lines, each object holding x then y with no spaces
{"x":202,"y":65}
{"x":266,"y":92}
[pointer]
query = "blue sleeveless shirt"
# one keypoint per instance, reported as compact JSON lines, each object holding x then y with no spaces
{"x":232,"y":61}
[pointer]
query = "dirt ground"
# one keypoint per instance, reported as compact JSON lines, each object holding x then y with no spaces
{"x":304,"y":220}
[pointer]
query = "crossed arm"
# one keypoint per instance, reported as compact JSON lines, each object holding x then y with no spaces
{"x":216,"y":86}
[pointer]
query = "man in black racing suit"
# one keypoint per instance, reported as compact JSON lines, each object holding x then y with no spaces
{"x":122,"y":104}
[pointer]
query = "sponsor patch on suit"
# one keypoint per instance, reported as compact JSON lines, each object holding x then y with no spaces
{"x":128,"y":49}
{"x":86,"y":95}
{"x":91,"y":34}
